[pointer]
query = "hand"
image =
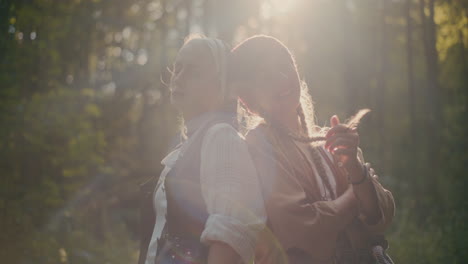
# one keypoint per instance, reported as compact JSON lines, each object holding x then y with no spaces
{"x":343,"y":143}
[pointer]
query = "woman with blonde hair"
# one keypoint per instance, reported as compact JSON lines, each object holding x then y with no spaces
{"x":207,"y":205}
{"x":323,"y":203}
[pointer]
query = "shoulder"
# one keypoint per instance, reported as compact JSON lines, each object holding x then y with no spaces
{"x":259,"y":136}
{"x":223,"y":131}
{"x":222,"y":137}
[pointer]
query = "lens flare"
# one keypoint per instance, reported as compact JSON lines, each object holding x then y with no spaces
{"x":282,"y":6}
{"x":272,"y":8}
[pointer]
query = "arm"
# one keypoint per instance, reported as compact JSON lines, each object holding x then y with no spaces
{"x":297,"y":221}
{"x":232,"y":195}
{"x":365,"y":192}
{"x":376,"y":205}
{"x":222,"y":253}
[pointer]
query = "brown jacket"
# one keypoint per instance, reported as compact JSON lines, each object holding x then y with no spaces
{"x":301,"y":225}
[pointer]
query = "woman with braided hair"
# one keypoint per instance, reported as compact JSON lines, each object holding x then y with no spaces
{"x":324,"y":204}
{"x":206,"y":207}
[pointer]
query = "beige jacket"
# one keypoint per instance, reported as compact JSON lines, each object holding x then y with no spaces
{"x":298,"y":218}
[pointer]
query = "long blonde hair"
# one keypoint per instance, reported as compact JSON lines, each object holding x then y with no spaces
{"x":219,"y":52}
{"x":245,"y":61}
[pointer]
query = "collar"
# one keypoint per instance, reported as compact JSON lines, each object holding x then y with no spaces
{"x":195,"y":123}
{"x":199,"y":121}
{"x":192,"y":127}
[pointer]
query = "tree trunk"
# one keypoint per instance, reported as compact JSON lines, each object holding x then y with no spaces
{"x":207,"y":18}
{"x":381,"y":81}
{"x":188,"y":20}
{"x":409,"y":61}
{"x":464,"y":64}
{"x":349,"y":61}
{"x":5,"y":13}
{"x":433,"y":65}
{"x":429,"y":36}
{"x":434,"y":121}
{"x":163,"y":36}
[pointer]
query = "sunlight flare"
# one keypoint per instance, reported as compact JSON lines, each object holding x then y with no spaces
{"x":271,"y":8}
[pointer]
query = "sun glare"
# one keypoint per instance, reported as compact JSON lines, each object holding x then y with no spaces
{"x":276,"y":7}
{"x":282,"y":6}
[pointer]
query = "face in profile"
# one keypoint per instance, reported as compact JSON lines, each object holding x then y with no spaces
{"x":264,"y":74}
{"x":275,"y":88}
{"x":194,"y":84}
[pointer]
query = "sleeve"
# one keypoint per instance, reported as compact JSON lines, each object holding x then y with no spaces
{"x":298,"y":222}
{"x":231,"y":191}
{"x":385,"y":202}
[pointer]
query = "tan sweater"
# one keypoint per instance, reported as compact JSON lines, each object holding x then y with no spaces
{"x":298,"y":217}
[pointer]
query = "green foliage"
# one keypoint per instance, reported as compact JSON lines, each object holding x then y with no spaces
{"x":84,"y":117}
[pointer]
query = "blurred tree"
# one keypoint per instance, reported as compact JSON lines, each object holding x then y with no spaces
{"x":410,"y":65}
{"x":84,"y":117}
{"x":381,"y":79}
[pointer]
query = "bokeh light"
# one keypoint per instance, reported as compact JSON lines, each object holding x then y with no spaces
{"x":85,"y":117}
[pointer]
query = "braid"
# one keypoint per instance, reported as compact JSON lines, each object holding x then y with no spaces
{"x":314,"y":151}
{"x":300,"y":113}
{"x":247,"y":59}
{"x":304,"y":137}
{"x":316,"y":156}
{"x":318,"y":162}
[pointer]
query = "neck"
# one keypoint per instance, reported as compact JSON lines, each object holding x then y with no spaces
{"x":290,"y":121}
{"x":192,"y":113}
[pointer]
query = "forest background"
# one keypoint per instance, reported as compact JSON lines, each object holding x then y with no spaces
{"x":85,"y":117}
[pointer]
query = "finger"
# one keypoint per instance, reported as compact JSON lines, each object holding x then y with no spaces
{"x":341,"y":143}
{"x":349,"y":136}
{"x":368,"y":165}
{"x":334,"y":120}
{"x":343,"y":151}
{"x":337,"y":129}
{"x":352,"y":137}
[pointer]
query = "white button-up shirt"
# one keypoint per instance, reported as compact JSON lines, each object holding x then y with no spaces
{"x":230,"y":188}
